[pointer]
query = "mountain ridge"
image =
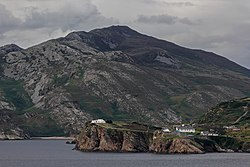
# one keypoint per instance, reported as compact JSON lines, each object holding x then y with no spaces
{"x":121,"y":30}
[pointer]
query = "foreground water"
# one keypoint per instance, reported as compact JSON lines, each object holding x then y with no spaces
{"x":55,"y":153}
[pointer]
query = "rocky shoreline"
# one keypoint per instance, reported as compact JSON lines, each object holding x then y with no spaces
{"x":26,"y":137}
{"x":14,"y":134}
{"x":12,"y":137}
{"x":96,"y":138}
{"x":53,"y":138}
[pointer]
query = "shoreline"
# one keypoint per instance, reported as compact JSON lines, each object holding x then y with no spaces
{"x":52,"y":138}
{"x":40,"y":138}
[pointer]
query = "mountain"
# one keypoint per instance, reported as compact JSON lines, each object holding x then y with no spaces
{"x":234,"y":112}
{"x":9,"y":48}
{"x":114,"y":73}
{"x":8,"y":128}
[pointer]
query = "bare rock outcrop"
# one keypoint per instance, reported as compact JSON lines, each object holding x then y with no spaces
{"x":96,"y":138}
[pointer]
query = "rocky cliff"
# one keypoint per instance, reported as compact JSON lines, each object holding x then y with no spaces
{"x":113,"y":73}
{"x":231,"y":143}
{"x":105,"y":138}
{"x":97,"y":138}
{"x":165,"y":143}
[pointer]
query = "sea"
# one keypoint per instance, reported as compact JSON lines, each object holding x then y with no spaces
{"x":56,"y":153}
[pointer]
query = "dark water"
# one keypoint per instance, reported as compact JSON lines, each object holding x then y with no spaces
{"x":55,"y":153}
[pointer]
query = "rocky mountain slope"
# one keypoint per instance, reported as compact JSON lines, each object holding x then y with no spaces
{"x":234,"y":112}
{"x":8,"y":127}
{"x":113,"y":73}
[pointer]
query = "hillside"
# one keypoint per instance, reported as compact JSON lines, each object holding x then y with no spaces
{"x":234,"y":112}
{"x":113,"y":73}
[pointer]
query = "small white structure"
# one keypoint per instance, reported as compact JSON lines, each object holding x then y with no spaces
{"x":231,"y":128}
{"x":185,"y":129}
{"x":207,"y":133}
{"x":98,"y":121}
{"x":166,"y":130}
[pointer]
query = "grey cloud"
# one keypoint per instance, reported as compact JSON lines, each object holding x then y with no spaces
{"x":67,"y":18}
{"x":179,"y":4}
{"x":7,"y":20}
{"x":187,"y":21}
{"x":173,"y":4}
{"x":165,"y":19}
{"x":2,"y":36}
{"x":162,"y":19}
{"x":43,"y":23}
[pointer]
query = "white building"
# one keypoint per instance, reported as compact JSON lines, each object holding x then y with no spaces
{"x":98,"y":121}
{"x":166,"y":130}
{"x":185,"y":129}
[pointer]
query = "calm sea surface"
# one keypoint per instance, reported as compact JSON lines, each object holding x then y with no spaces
{"x":55,"y":153}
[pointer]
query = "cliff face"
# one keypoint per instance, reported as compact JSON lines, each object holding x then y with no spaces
{"x":232,"y":143}
{"x":164,"y":143}
{"x":96,"y":138}
{"x":174,"y":146}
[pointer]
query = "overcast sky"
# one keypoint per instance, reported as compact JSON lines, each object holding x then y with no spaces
{"x":221,"y":26}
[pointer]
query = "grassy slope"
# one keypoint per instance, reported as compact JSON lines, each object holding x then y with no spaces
{"x":227,"y":113}
{"x":38,"y":123}
{"x":129,"y":126}
{"x":94,"y":105}
{"x":14,"y":93}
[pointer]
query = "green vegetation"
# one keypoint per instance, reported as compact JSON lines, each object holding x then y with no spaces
{"x":181,"y":107}
{"x":236,"y":112}
{"x":14,"y":92}
{"x":171,"y":137}
{"x":39,"y":123}
{"x":60,"y":81}
{"x":94,"y":105}
{"x":129,"y":126}
{"x":243,"y":134}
